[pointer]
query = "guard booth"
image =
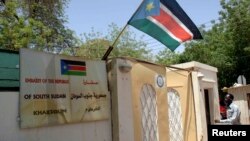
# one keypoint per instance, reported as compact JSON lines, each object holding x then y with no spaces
{"x":205,"y":86}
{"x":242,"y":99}
{"x":147,"y":102}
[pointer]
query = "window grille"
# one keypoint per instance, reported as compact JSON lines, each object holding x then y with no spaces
{"x":149,"y":113}
{"x":175,"y":117}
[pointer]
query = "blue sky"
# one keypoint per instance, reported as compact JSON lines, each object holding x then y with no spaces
{"x":98,"y":14}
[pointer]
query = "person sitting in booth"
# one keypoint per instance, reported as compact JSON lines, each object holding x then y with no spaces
{"x":233,"y":112}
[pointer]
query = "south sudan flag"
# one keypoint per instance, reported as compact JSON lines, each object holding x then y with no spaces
{"x":69,"y":67}
{"x":165,"y":21}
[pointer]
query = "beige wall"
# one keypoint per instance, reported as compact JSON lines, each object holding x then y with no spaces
{"x":146,"y":73}
{"x":126,"y":105}
{"x":181,"y":81}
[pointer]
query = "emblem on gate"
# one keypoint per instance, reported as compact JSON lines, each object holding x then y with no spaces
{"x":160,"y":81}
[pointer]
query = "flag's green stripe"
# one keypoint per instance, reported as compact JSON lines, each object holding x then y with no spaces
{"x":75,"y":73}
{"x":156,"y":32}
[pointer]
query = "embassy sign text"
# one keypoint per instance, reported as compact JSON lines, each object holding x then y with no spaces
{"x":58,"y":89}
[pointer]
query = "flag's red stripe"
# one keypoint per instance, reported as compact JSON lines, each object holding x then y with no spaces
{"x":169,"y":22}
{"x":75,"y":67}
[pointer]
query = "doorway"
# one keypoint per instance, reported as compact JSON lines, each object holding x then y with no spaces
{"x":207,"y":107}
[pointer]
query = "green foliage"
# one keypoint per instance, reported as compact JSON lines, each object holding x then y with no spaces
{"x":237,"y":15}
{"x":96,"y":44}
{"x":13,"y":31}
{"x":167,"y":57}
{"x":40,"y":25}
{"x":128,"y":44}
{"x":35,"y":25}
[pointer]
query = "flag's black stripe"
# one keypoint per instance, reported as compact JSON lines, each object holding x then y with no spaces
{"x":74,"y":62}
{"x":175,"y":8}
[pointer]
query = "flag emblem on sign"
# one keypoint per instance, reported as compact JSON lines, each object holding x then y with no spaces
{"x":69,"y":67}
{"x":165,"y":21}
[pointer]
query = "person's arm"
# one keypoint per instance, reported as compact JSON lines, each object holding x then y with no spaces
{"x":234,"y":117}
{"x":226,"y":121}
{"x":218,"y":122}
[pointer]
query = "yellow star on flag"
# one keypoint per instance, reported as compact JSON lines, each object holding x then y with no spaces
{"x":150,"y":6}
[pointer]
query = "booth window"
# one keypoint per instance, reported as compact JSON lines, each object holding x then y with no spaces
{"x":149,"y":113}
{"x":175,"y":116}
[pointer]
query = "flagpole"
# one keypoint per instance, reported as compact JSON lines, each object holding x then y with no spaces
{"x":105,"y":56}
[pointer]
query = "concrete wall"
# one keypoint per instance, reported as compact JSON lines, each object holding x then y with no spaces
{"x":10,"y":131}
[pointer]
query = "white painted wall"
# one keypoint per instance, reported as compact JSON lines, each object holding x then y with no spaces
{"x":199,"y":108}
{"x":10,"y":131}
